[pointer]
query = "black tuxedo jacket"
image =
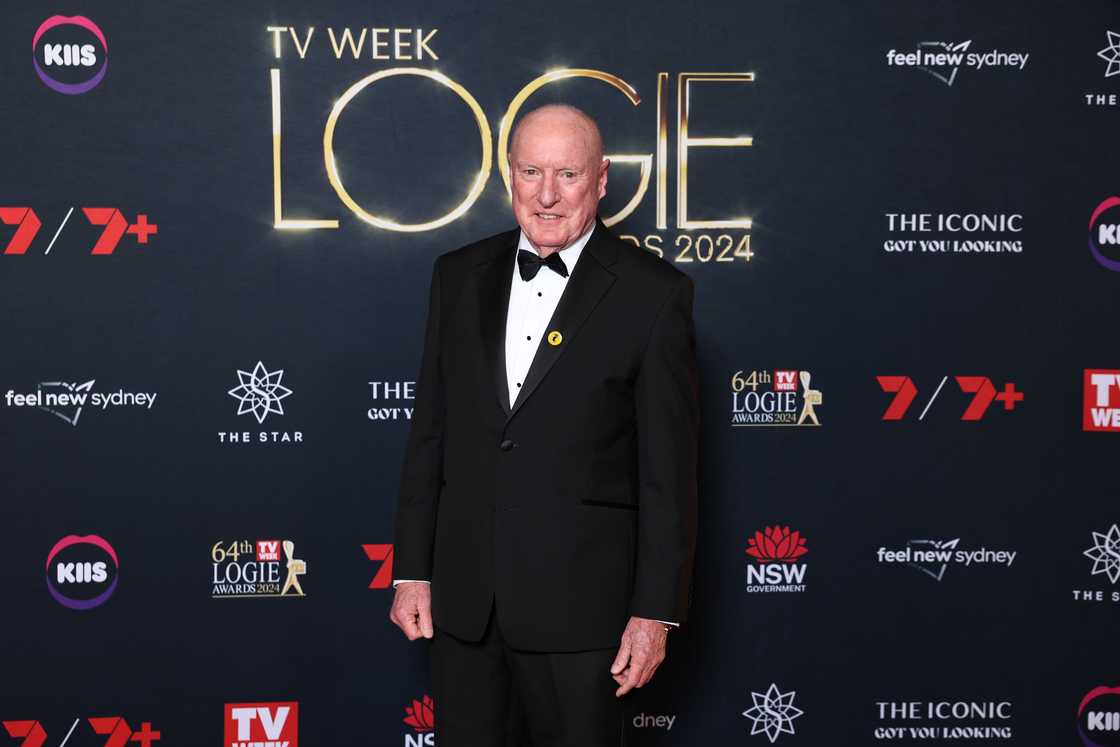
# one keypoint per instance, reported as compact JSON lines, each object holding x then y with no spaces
{"x":575,"y":508}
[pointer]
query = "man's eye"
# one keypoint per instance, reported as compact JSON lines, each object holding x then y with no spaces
{"x":568,"y":174}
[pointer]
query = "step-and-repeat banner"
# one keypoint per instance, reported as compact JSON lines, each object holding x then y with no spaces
{"x":217,"y":227}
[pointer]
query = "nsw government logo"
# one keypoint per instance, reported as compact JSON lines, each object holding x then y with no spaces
{"x":260,"y":393}
{"x":421,"y":716}
{"x":774,"y":398}
{"x":255,"y":569}
{"x":933,"y":557}
{"x":70,"y":54}
{"x":1098,"y":717}
{"x":82,"y":571}
{"x":776,"y":551}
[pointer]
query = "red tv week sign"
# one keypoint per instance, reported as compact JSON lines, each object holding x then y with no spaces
{"x":1102,"y":400}
{"x":262,"y":725}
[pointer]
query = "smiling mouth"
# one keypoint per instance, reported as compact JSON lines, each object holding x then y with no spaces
{"x":549,"y":216}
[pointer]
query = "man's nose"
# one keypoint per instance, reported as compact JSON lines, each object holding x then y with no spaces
{"x":549,"y":195}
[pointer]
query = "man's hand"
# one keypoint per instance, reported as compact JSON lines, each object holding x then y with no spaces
{"x":412,"y":609}
{"x":641,"y":652}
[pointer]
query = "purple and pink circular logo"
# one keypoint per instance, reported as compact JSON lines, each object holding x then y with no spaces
{"x":82,"y":572}
{"x":70,"y":54}
{"x":1104,"y":234}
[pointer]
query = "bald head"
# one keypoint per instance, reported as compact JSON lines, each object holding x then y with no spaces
{"x":553,"y":118}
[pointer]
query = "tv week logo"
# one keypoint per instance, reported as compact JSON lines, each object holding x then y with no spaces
{"x":1102,"y":400}
{"x":262,"y":725}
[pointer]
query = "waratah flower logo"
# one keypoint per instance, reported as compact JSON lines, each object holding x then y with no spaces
{"x":776,"y":544}
{"x":421,"y":714}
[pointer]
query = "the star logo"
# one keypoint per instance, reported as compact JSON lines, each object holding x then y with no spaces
{"x":943,"y":552}
{"x":772,"y":713}
{"x":260,"y":392}
{"x":1105,"y":554}
{"x":1111,"y":54}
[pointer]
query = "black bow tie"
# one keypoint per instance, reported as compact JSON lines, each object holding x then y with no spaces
{"x":529,"y":264}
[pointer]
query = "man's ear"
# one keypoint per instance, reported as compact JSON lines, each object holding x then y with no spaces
{"x":603,"y":167}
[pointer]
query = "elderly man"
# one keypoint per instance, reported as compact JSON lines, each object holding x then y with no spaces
{"x":546,"y":522}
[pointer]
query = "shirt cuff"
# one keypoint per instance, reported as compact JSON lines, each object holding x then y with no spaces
{"x":408,"y":581}
{"x":666,"y":622}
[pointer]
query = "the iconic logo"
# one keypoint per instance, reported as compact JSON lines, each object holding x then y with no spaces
{"x":1111,"y":54}
{"x":116,"y":728}
{"x":782,"y":397}
{"x":66,"y":400}
{"x":943,"y":60}
{"x":261,"y":725}
{"x":776,"y":551}
{"x":1101,"y":411}
{"x":953,"y":720}
{"x":255,"y":569}
{"x":932,"y":234}
{"x":1098,"y":717}
{"x":387,"y":399}
{"x":1104,"y":234}
{"x":980,"y":387}
{"x":1105,"y":554}
{"x":82,"y":572}
{"x":70,"y":54}
{"x":773,"y":713}
{"x":933,"y":557}
{"x":115,"y":227}
{"x":259,"y":392}
{"x":421,"y":716}
{"x":382,"y":554}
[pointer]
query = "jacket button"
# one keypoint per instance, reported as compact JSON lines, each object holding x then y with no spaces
{"x":506,"y":445}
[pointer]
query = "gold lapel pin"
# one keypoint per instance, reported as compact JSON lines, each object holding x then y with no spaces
{"x":555,"y":338}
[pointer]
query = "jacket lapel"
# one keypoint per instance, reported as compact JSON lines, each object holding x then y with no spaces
{"x":493,"y":303}
{"x":587,"y":285}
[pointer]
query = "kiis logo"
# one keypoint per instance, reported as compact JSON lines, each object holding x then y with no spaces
{"x":65,"y":55}
{"x":262,"y":725}
{"x":82,"y":572}
{"x":252,"y":569}
{"x":776,"y":551}
{"x":119,"y":732}
{"x":1102,"y":400}
{"x":774,"y":398}
{"x":421,"y":716}
{"x":1104,"y":233}
{"x":1098,"y":717}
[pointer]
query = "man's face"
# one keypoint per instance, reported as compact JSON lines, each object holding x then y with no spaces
{"x":557,"y":181}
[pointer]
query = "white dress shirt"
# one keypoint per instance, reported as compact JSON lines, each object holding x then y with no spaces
{"x":531,"y":305}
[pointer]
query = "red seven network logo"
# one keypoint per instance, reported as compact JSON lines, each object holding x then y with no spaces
{"x":116,"y":226}
{"x":262,"y":724}
{"x":117,"y":729}
{"x":383,"y":554}
{"x":980,"y":387}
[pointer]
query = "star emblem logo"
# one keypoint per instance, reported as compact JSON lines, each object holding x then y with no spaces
{"x":1105,"y":554}
{"x":260,"y":392}
{"x":1111,"y":54}
{"x":773,"y":713}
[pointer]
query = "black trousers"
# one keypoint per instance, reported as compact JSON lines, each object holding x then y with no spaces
{"x":490,"y":695}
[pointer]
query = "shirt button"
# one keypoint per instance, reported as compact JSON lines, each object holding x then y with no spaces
{"x":506,"y":445}
{"x":528,"y":337}
{"x":538,"y":293}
